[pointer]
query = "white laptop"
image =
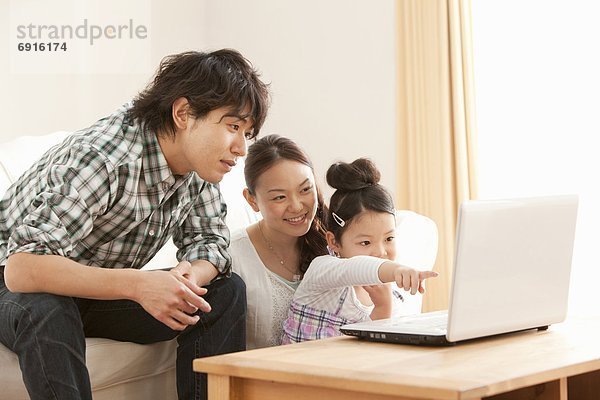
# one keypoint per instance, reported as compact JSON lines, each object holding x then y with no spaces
{"x":511,"y":272}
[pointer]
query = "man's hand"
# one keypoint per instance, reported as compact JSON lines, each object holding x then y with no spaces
{"x":171,"y":296}
{"x":201,"y":272}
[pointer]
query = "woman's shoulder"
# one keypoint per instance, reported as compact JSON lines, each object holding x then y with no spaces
{"x":240,"y":243}
{"x":320,"y":261}
{"x":243,"y":253}
{"x":319,"y":264}
{"x":240,"y":235}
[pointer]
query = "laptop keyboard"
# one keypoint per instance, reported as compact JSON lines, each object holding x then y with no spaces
{"x":432,"y":320}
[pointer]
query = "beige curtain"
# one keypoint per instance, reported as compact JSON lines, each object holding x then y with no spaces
{"x":436,"y":138}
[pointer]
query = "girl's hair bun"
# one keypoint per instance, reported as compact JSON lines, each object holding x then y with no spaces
{"x":356,"y":175}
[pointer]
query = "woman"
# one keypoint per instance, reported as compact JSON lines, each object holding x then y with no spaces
{"x":273,"y":254}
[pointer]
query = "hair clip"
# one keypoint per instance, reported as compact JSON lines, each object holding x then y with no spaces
{"x":337,"y":219}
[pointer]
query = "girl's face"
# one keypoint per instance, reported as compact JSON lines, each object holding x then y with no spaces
{"x":286,"y":196}
{"x":369,"y":234}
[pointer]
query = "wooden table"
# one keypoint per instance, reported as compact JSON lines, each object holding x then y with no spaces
{"x":558,"y":364}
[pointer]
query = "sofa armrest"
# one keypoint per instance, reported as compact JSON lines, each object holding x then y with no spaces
{"x":416,"y":247}
{"x":20,"y":153}
{"x":416,"y":240}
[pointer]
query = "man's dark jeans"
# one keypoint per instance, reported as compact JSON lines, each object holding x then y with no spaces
{"x":47,"y":332}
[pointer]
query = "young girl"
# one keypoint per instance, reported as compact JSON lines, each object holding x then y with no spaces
{"x":348,"y":287}
{"x":272,"y":255}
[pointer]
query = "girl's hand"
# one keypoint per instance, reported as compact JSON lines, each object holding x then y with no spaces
{"x":411,"y":279}
{"x":381,"y":296}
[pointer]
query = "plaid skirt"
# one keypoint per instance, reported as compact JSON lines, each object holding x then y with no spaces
{"x":308,"y":323}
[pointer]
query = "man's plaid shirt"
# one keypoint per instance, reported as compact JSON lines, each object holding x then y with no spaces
{"x":106,"y":197}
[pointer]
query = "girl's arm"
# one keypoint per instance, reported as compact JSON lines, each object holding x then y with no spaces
{"x":328,"y":272}
{"x":408,"y":278}
{"x":405,"y":277}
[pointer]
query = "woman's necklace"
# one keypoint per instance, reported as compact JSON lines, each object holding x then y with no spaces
{"x":295,"y":275}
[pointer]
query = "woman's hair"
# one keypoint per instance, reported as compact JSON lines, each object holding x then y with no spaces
{"x":223,"y":78}
{"x":357,"y":189}
{"x":265,"y":153}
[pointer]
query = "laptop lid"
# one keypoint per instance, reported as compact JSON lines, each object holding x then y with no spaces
{"x":511,"y":272}
{"x":512,"y":265}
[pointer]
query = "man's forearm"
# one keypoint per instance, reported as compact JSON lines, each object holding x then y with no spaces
{"x":29,"y":273}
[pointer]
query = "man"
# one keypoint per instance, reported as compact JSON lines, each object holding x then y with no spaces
{"x":80,"y":223}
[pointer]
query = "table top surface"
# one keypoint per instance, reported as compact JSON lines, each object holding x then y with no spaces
{"x":471,"y":369}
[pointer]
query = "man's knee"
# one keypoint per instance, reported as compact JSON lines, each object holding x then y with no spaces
{"x":41,"y":309}
{"x":238,"y":284}
{"x":230,"y":291}
{"x":235,"y":288}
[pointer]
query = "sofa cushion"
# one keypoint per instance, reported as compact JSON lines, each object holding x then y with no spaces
{"x":113,"y":362}
{"x":110,"y":364}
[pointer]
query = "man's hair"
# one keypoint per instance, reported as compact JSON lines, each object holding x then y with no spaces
{"x":223,"y":78}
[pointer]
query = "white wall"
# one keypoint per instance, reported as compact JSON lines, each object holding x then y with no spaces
{"x":331,"y":65}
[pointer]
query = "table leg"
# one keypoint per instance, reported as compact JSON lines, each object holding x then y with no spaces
{"x":219,"y":387}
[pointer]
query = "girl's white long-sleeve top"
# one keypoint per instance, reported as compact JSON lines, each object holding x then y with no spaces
{"x":326,"y":298}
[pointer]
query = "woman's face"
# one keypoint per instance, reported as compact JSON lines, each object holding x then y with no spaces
{"x":286,"y":196}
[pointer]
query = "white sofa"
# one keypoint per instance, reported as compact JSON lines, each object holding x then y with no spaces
{"x":128,"y":371}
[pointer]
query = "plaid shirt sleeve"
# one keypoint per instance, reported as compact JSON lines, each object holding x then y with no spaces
{"x":204,"y":235}
{"x":71,"y":193}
